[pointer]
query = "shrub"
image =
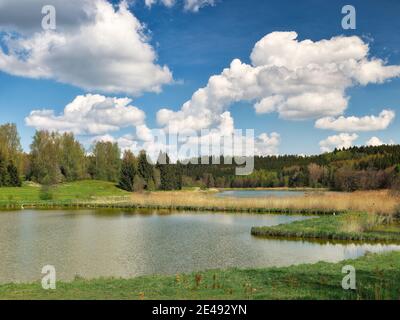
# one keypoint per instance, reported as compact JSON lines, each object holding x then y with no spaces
{"x":46,"y":193}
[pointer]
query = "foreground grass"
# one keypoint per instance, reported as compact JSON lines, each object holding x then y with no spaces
{"x":351,"y":226}
{"x":378,"y":277}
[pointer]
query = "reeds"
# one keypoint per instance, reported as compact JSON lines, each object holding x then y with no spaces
{"x":379,"y":202}
{"x":383,"y":203}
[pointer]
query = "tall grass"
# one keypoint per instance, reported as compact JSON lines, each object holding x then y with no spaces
{"x":378,"y":202}
{"x":383,"y":203}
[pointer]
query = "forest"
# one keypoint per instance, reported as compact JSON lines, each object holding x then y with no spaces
{"x":56,"y":158}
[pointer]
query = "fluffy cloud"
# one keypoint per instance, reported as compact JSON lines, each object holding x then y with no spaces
{"x":375,"y":142}
{"x":89,"y":115}
{"x":298,"y":79}
{"x":267,"y":144}
{"x":343,"y":140}
{"x":106,"y":51}
{"x":354,"y":124}
{"x":95,"y":117}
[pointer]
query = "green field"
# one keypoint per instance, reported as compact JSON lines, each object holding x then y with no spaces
{"x":73,"y":191}
{"x":378,"y":277}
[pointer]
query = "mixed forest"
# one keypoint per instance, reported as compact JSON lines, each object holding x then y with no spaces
{"x":56,"y":158}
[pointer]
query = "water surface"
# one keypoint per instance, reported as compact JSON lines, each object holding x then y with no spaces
{"x":96,"y":244}
{"x":261,"y":193}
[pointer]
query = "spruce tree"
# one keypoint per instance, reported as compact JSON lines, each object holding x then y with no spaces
{"x":145,"y":170}
{"x":128,"y":172}
{"x":3,"y":172}
{"x":13,"y":176}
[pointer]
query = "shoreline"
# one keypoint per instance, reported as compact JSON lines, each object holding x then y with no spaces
{"x":321,"y":280}
{"x":181,"y":208}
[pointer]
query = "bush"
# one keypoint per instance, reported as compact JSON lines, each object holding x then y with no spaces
{"x":46,"y":193}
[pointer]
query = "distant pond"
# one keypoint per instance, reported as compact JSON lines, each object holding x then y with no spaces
{"x":260,"y":193}
{"x":124,"y":244}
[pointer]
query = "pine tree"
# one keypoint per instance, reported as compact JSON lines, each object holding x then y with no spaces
{"x":166,"y":174}
{"x":13,"y":176}
{"x":145,"y":170}
{"x":128,"y":172}
{"x":3,"y":172}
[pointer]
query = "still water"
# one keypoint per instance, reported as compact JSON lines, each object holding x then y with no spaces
{"x":260,"y":193}
{"x":93,"y":244}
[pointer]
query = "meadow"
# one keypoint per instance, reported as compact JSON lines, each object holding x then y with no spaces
{"x":378,"y":278}
{"x":32,"y":193}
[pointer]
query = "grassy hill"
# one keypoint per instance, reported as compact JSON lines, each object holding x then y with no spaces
{"x":72,"y":191}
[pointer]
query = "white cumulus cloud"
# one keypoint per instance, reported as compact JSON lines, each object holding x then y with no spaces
{"x":354,"y":124}
{"x":89,"y":115}
{"x":342,"y":140}
{"x":297,"y":79}
{"x":375,"y":142}
{"x":106,"y":50}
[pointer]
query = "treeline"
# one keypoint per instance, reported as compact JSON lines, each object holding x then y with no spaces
{"x":55,"y":158}
{"x":356,"y":168}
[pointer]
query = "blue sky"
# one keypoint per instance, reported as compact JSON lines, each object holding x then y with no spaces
{"x":197,"y":45}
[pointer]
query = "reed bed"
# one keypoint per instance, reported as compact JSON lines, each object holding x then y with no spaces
{"x":383,"y":203}
{"x":380,"y":202}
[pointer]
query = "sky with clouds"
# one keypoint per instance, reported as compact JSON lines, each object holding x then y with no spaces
{"x":115,"y":70}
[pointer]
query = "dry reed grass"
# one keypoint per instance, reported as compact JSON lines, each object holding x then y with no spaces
{"x":382,"y":202}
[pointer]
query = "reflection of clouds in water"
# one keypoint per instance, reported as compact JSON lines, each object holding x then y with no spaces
{"x":124,"y":245}
{"x":355,"y":250}
{"x":289,"y":252}
{"x":338,"y":252}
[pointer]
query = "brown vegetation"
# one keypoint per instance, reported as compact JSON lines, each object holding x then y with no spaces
{"x":381,"y":202}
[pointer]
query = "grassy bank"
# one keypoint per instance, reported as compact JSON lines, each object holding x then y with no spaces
{"x":378,"y":277}
{"x":351,"y":226}
{"x":74,"y":192}
{"x":105,"y":194}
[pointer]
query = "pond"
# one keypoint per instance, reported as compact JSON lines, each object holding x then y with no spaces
{"x":96,"y":244}
{"x":261,"y":193}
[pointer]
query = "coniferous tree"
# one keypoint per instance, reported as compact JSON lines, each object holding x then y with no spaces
{"x":128,"y":171}
{"x":170,"y":177}
{"x":3,"y":172}
{"x":13,"y":177}
{"x":145,"y":169}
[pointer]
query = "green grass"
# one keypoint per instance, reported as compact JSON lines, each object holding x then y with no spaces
{"x":347,"y":226}
{"x":378,"y":277}
{"x":73,"y":191}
